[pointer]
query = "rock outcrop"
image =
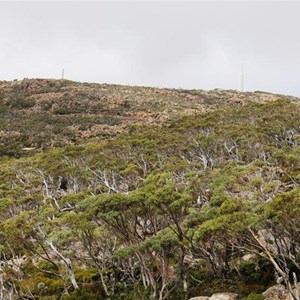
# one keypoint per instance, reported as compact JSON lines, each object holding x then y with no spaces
{"x":224,"y":296}
{"x":218,"y":296}
{"x":276,"y":292}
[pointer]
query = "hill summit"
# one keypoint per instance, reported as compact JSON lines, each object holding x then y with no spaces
{"x":46,"y":113}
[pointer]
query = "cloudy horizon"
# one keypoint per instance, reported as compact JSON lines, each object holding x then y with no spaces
{"x":200,"y":45}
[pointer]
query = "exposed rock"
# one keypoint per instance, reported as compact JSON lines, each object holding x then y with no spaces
{"x":224,"y":296}
{"x":248,"y":257}
{"x":276,"y":292}
{"x":218,"y":296}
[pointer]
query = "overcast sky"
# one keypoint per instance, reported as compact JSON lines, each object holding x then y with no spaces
{"x":165,"y":44}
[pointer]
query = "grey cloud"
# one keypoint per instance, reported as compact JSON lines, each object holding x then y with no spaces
{"x":170,"y":44}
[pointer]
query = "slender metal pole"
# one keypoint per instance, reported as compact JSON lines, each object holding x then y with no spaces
{"x":63,"y":74}
{"x":242,"y":78}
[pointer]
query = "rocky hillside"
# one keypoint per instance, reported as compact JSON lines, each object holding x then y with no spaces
{"x":46,"y":113}
{"x":132,"y":193}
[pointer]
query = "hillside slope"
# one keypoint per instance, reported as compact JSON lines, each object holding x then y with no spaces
{"x":45,"y":113}
{"x":192,"y":202}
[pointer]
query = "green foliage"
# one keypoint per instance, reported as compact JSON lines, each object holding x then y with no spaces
{"x":20,"y":102}
{"x":83,"y":295}
{"x":231,"y":206}
{"x":4,"y":203}
{"x":284,"y":207}
{"x":165,"y":239}
{"x":136,"y":293}
{"x":87,"y":275}
{"x":149,"y":206}
{"x":257,"y":270}
{"x":254,"y":296}
{"x":226,"y":225}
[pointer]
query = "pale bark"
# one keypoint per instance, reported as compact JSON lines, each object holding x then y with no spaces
{"x":66,"y":260}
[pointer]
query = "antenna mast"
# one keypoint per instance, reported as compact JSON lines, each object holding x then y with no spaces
{"x":63,"y":74}
{"x":242,"y":79}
